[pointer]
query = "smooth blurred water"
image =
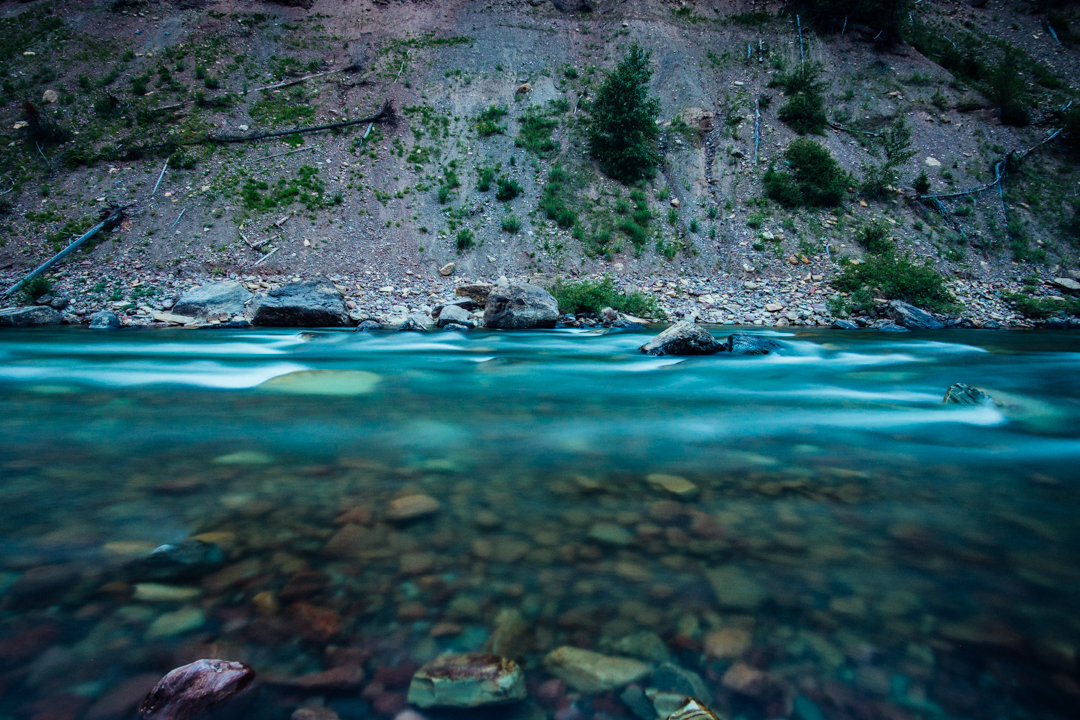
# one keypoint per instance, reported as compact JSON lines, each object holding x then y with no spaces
{"x":905,"y":558}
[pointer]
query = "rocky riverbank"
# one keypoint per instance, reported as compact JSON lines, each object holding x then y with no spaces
{"x":146,"y":298}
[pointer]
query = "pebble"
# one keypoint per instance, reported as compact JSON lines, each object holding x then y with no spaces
{"x":729,"y":642}
{"x":467,"y":680}
{"x":412,"y":507}
{"x":735,"y":588}
{"x":591,"y":672}
{"x":176,"y":623}
{"x":610,"y":534}
{"x":155,"y":592}
{"x":674,"y":484}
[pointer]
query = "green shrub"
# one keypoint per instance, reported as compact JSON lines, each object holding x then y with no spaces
{"x":487,"y":122}
{"x":535,"y":135}
{"x":815,"y":180}
{"x":804,"y":112}
{"x":673,"y":216}
{"x":487,"y":175}
{"x":1071,"y":121}
{"x":595,"y":295}
{"x":508,"y":189}
{"x":893,"y":276}
{"x":922,"y":183}
{"x":874,"y":237}
{"x":37,"y":287}
{"x":139,"y":85}
{"x":1006,"y":88}
{"x":444,"y":194}
{"x":755,"y":220}
{"x":622,"y":129}
{"x":510,"y":224}
{"x":1041,"y":308}
{"x":887,"y":18}
{"x":465,"y":239}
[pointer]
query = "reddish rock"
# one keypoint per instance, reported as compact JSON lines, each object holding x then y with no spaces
{"x":339,"y":679}
{"x":705,"y":526}
{"x":122,"y":699}
{"x":303,"y":584}
{"x":189,"y":690}
{"x":395,"y":678}
{"x":684,"y":642}
{"x":744,"y":679}
{"x":355,"y":516}
{"x":388,"y":704}
{"x":28,"y":644}
{"x":609,"y":704}
{"x":351,"y":540}
{"x":550,"y":693}
{"x":315,"y":623}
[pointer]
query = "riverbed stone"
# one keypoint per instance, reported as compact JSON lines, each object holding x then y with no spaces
{"x":157,"y":592}
{"x":189,"y":690}
{"x":467,"y":680}
{"x":412,"y":507}
{"x":314,"y":303}
{"x":674,"y":484}
{"x":672,"y":678}
{"x":729,"y":642}
{"x":963,"y":394}
{"x":610,"y":534}
{"x":591,"y":672}
{"x":912,"y":317}
{"x":511,"y":637}
{"x":683,"y":338}
{"x":176,"y":623}
{"x":227,"y":296}
{"x":644,"y":645}
{"x":188,"y":560}
{"x":518,"y":306}
{"x":842,"y":324}
{"x":23,"y":317}
{"x":735,"y":588}
{"x":454,"y":314}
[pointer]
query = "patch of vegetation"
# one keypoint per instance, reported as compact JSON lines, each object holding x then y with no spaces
{"x":886,"y":17}
{"x":465,"y":239}
{"x":595,"y":295}
{"x":37,"y":287}
{"x":815,"y":180}
{"x":306,"y":189}
{"x":804,"y":111}
{"x":1006,"y":88}
{"x":288,"y":107}
{"x":1043,"y":307}
{"x":487,"y":122}
{"x":751,"y":19}
{"x":622,"y":129}
{"x":553,"y":201}
{"x":894,"y":142}
{"x":510,"y":224}
{"x":895,"y":276}
{"x":535,"y":136}
{"x":285,"y":67}
{"x":507,"y":190}
{"x":922,"y":183}
{"x":874,"y":237}
{"x":21,"y":31}
{"x":487,"y":176}
{"x":428,"y":122}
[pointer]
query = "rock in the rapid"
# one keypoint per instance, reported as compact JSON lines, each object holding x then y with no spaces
{"x":683,"y":338}
{"x":912,"y":317}
{"x":188,"y":560}
{"x":591,"y":672}
{"x":105,"y":320}
{"x":412,"y":507}
{"x":844,"y":325}
{"x":314,"y":303}
{"x":477,"y":292}
{"x":25,"y":317}
{"x":963,"y":394}
{"x":517,"y":306}
{"x":454,"y":314}
{"x":467,"y":680}
{"x":215,"y":298}
{"x":744,"y":344}
{"x":415,"y":322}
{"x":192,"y":689}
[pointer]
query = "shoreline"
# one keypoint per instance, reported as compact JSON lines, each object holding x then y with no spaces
{"x":794,"y":301}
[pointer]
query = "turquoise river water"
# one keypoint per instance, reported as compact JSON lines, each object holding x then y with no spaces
{"x":813,"y":534}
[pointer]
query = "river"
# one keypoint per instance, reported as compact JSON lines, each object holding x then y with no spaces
{"x":813,"y":533}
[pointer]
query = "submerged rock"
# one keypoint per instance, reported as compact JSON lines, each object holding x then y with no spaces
{"x":29,"y":317}
{"x":315,"y":303}
{"x":511,"y":637}
{"x":683,"y":338}
{"x":591,"y":672}
{"x":912,"y":317}
{"x":412,"y":507}
{"x":743,"y":344}
{"x":213,"y":298}
{"x":323,"y":382}
{"x":105,"y":320}
{"x":735,"y":588}
{"x":672,"y":678}
{"x":693,"y":710}
{"x":466,"y":681}
{"x":368,"y":326}
{"x":962,"y":394}
{"x":518,"y":306}
{"x":188,"y":560}
{"x":191,"y":689}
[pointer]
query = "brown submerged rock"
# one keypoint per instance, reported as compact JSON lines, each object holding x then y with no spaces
{"x":467,"y":680}
{"x":189,"y":690}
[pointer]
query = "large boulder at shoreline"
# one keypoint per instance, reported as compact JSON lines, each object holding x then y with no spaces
{"x":477,"y":292}
{"x":912,"y":317}
{"x":191,"y":690}
{"x":744,"y":344}
{"x":105,"y":320}
{"x":313,"y":303}
{"x":683,"y":338}
{"x":454,"y":314}
{"x":466,"y":681}
{"x":24,"y":317}
{"x":518,"y":306}
{"x":591,"y":672}
{"x":216,"y":298}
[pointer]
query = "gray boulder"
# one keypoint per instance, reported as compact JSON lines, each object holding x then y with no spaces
{"x":1066,"y":284}
{"x":454,"y":314}
{"x":29,"y":317}
{"x":683,"y":338}
{"x":743,"y":344}
{"x":415,"y":322}
{"x":368,"y":326}
{"x":105,"y":320}
{"x":518,"y":306}
{"x":912,"y":317}
{"x":844,"y":325}
{"x":213,"y":298}
{"x":313,"y":303}
{"x":891,"y":327}
{"x":477,"y":292}
{"x":455,"y":327}
{"x":963,"y":394}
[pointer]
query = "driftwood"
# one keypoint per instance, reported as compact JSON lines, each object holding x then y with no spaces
{"x":111,"y":217}
{"x":385,"y":115}
{"x":297,"y":81}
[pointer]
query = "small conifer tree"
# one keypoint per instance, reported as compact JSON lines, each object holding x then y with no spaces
{"x":622,"y":124}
